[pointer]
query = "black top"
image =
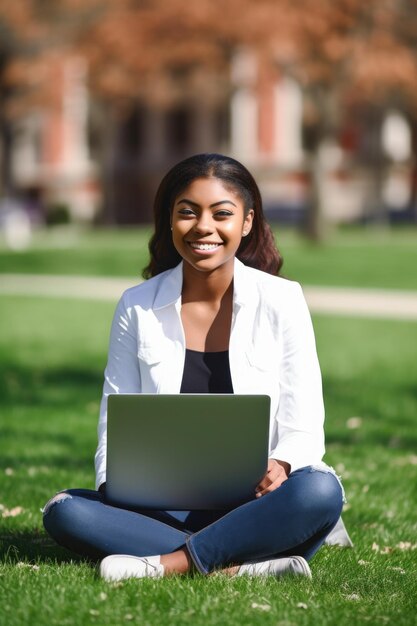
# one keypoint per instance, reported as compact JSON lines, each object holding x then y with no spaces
{"x":206,"y":372}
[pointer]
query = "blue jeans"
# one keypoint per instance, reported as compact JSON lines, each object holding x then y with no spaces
{"x":292,"y":520}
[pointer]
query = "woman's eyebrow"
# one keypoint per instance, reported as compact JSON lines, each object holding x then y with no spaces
{"x":221,"y":202}
{"x":212,"y":206}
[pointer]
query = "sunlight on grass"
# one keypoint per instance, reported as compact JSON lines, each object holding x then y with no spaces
{"x":352,"y":257}
{"x":52,"y":356}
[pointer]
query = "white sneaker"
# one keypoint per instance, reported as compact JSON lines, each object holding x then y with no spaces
{"x":121,"y":566}
{"x":295,"y":565}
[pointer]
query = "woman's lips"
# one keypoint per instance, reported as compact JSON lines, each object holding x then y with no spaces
{"x":204,"y":248}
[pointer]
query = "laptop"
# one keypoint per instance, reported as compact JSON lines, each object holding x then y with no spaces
{"x":185,"y":451}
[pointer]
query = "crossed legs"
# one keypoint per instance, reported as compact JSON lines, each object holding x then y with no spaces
{"x":292,"y":520}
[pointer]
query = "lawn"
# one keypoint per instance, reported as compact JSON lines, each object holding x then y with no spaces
{"x":52,"y":353}
{"x":355,"y":258}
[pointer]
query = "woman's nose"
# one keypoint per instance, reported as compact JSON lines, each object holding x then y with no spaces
{"x":204,"y":225}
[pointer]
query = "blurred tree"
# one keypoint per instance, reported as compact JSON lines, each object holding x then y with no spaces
{"x":13,"y":19}
{"x":352,"y":58}
{"x":349,"y":57}
{"x":34,"y":36}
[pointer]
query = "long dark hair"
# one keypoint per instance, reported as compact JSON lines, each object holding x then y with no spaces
{"x":256,"y":250}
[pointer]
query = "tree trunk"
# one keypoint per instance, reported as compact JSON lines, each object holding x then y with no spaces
{"x":6,"y":140}
{"x":375,"y":210}
{"x":413,"y":176}
{"x":106,"y":129}
{"x":319,"y":123}
{"x":314,"y":227}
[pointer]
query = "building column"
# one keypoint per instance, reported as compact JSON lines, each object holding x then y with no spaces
{"x":244,"y":125}
{"x":244,"y":109}
{"x":288,"y":114}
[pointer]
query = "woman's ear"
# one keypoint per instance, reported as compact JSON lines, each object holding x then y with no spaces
{"x":247,"y":223}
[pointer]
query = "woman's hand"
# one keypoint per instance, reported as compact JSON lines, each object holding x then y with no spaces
{"x":276,"y":474}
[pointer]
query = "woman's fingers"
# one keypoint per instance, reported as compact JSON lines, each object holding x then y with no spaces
{"x":273,"y":478}
{"x":272,"y":486}
{"x":271,"y":475}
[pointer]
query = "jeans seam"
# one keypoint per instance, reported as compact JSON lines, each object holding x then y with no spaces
{"x":312,"y":468}
{"x":188,"y":541}
{"x":194,"y":556}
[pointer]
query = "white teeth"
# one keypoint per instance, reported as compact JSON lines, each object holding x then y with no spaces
{"x":204,"y":246}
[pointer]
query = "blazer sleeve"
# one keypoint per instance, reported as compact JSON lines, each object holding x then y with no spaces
{"x":300,"y":413}
{"x":122,"y":374}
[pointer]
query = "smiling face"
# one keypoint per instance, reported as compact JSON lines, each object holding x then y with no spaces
{"x":208,"y":222}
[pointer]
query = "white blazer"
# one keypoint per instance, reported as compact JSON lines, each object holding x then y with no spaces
{"x":272,"y":351}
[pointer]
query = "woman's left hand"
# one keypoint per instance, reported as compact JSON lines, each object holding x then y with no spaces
{"x":276,"y":474}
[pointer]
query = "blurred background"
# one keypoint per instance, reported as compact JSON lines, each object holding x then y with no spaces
{"x":98,"y":98}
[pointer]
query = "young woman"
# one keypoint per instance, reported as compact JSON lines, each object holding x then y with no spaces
{"x":214,"y":316}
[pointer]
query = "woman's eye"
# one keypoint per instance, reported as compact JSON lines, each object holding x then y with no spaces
{"x":223,"y":213}
{"x":186,"y":212}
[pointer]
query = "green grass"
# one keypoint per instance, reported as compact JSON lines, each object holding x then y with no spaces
{"x":361,"y":258}
{"x":52,"y":354}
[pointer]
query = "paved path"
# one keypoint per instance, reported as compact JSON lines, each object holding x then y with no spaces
{"x":375,"y":303}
